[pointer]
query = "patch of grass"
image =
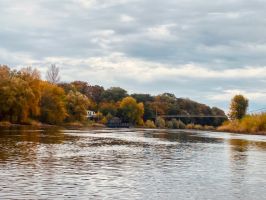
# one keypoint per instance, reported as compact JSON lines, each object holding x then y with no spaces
{"x":255,"y":123}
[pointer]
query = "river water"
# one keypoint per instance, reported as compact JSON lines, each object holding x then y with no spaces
{"x":131,"y":164}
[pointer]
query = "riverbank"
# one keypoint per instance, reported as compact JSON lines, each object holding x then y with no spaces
{"x":250,"y":124}
{"x":36,"y":124}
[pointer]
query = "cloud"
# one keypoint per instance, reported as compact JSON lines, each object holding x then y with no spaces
{"x":160,"y":31}
{"x":126,"y":18}
{"x":228,"y":94}
{"x":132,"y":68}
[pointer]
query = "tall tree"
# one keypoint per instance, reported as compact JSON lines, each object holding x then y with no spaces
{"x":52,"y":75}
{"x":238,"y":107}
{"x":19,"y":94}
{"x":53,"y":110}
{"x":33,"y":78}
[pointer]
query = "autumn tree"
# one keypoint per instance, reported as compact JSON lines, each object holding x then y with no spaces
{"x":77,"y":105}
{"x":131,"y":111}
{"x":80,"y":86}
{"x":19,"y":94}
{"x":67,"y":87}
{"x":108,"y":108}
{"x":33,"y":78}
{"x":93,"y":92}
{"x":238,"y":107}
{"x":52,"y":75}
{"x":53,"y":110}
{"x":5,"y":73}
{"x":147,"y":100}
{"x":15,"y":94}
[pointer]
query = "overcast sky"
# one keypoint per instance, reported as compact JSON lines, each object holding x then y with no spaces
{"x":202,"y":49}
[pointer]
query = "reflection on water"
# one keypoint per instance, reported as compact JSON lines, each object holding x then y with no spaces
{"x":130,"y":164}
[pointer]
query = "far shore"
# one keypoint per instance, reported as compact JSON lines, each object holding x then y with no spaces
{"x":102,"y":126}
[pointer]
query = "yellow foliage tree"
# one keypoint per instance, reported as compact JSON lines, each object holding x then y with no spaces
{"x":77,"y":105}
{"x":53,"y":110}
{"x":20,"y":94}
{"x":132,"y":111}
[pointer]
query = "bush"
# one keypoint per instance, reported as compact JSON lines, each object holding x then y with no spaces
{"x":250,"y":124}
{"x":206,"y":127}
{"x":194,"y":126}
{"x":150,"y":124}
{"x":104,"y":120}
{"x":169,"y":124}
{"x":190,"y":126}
{"x":160,"y":122}
{"x":198,"y":127}
{"x":178,"y":124}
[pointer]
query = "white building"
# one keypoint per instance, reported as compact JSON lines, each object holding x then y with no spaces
{"x":90,"y":114}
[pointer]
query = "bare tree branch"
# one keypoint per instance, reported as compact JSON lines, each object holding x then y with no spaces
{"x":52,"y":74}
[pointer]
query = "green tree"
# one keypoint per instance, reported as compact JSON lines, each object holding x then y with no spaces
{"x":142,"y":97}
{"x":114,"y":94}
{"x":238,"y":107}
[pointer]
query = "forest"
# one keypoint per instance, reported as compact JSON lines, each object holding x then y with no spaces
{"x":27,"y":99}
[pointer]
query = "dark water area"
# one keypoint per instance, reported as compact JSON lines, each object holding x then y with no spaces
{"x":131,"y":164}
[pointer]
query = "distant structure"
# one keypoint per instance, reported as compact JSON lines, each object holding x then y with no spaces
{"x":116,"y":122}
{"x":91,"y":114}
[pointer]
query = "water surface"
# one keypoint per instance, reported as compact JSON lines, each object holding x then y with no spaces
{"x":131,"y":164}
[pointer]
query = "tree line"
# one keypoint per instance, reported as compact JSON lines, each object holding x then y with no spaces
{"x":24,"y":97}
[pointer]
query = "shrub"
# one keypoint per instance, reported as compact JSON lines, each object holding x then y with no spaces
{"x":169,"y":124}
{"x":190,"y":126}
{"x":150,"y":124}
{"x":206,"y":127}
{"x":160,"y":122}
{"x":178,"y":124}
{"x":255,"y":123}
{"x":194,"y":126}
{"x":104,"y":120}
{"x":198,"y":127}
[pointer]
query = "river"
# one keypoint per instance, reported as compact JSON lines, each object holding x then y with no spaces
{"x":131,"y":164}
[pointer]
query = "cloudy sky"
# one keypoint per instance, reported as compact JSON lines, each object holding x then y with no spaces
{"x":202,"y":49}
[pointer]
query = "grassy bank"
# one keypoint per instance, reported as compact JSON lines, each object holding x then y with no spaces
{"x":250,"y":124}
{"x":33,"y":123}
